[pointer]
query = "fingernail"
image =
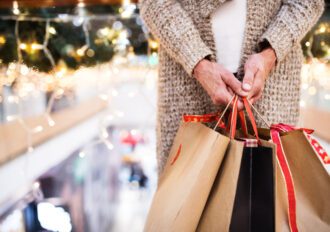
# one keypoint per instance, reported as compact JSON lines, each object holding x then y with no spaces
{"x":246,"y":86}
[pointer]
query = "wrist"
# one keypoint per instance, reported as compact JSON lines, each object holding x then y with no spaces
{"x":200,"y":67}
{"x":269,"y":56}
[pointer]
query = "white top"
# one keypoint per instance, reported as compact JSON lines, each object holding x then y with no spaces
{"x":228,"y":24}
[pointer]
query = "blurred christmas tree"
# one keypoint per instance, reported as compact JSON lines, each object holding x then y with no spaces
{"x":316,"y":43}
{"x":69,"y":44}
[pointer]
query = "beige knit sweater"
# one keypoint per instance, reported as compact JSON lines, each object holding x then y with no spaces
{"x":184,"y":30}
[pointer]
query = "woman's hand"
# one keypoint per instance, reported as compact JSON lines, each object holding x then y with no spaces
{"x":219,"y":83}
{"x":257,"y":69}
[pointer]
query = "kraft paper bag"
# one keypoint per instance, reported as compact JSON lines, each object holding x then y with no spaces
{"x":311,"y":182}
{"x":220,"y":213}
{"x":218,"y":210}
{"x":186,"y":182}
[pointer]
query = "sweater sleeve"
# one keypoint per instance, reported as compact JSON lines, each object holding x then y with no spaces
{"x":294,"y":19}
{"x":175,"y":30}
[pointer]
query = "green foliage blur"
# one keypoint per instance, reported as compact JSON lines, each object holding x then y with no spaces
{"x":67,"y":43}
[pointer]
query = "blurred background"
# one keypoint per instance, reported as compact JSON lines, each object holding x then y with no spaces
{"x":78,"y":92}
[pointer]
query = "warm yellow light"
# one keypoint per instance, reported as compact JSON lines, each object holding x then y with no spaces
{"x":16,"y":11}
{"x":23,"y":46}
{"x":126,"y":2}
{"x":81,"y":4}
{"x":312,"y":90}
{"x":52,"y":30}
{"x":36,"y":46}
{"x":15,"y":4}
{"x":12,"y":66}
{"x":103,"y":32}
{"x":15,"y":8}
{"x":123,"y":34}
{"x":80,"y":52}
{"x":153,"y":44}
{"x":2,"y":40}
{"x":322,"y":29}
{"x":90,"y":53}
{"x":307,"y":44}
{"x":60,"y":73}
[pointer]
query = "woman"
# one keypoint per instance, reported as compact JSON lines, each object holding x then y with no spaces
{"x":203,"y":42}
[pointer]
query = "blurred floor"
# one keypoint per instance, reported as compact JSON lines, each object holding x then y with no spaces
{"x":132,"y":210}
{"x":134,"y":201}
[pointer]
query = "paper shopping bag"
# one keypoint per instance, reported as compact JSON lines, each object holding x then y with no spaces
{"x":186,"y":182}
{"x":218,"y":210}
{"x":254,"y":208}
{"x":242,"y":196}
{"x":310,"y":210}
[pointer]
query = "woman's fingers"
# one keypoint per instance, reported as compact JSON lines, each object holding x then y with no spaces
{"x":230,"y":80}
{"x":248,"y":80}
{"x":220,"y":84}
{"x":255,"y":98}
{"x":240,"y":105}
{"x":222,"y":96}
{"x":258,"y":85}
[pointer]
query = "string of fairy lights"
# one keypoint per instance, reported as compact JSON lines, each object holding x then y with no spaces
{"x":316,"y":71}
{"x":59,"y":75}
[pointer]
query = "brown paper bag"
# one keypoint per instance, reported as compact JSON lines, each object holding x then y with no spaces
{"x":311,"y":182}
{"x":218,"y":210}
{"x":186,"y":183}
{"x":217,"y":214}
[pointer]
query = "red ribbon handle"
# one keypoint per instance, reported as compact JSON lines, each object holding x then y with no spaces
{"x":252,"y":118}
{"x":243,"y":122}
{"x":233,"y":119}
{"x":284,"y":166}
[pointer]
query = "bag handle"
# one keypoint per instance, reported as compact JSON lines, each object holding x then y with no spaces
{"x":224,"y":111}
{"x":252,"y":118}
{"x":233,"y":121}
{"x":233,"y":118}
{"x":242,"y":123}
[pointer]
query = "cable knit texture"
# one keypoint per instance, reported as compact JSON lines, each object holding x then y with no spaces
{"x":184,"y":31}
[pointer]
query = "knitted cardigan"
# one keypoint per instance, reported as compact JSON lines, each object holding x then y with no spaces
{"x":183,"y":28}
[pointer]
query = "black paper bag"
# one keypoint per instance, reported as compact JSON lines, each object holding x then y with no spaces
{"x":254,"y":200}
